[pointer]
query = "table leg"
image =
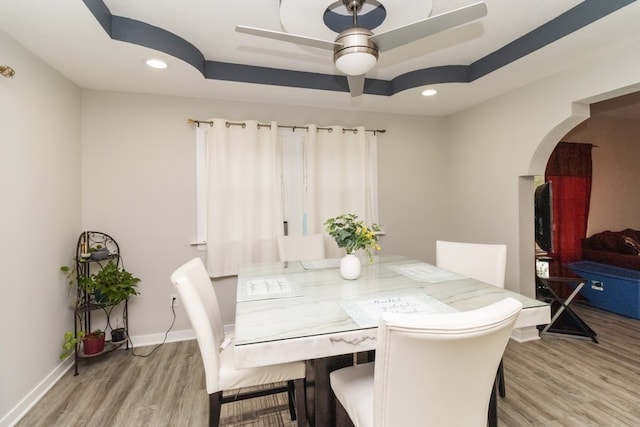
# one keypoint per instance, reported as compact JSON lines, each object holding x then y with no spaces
{"x":321,"y":408}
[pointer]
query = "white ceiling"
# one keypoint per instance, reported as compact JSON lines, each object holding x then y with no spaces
{"x":67,"y":36}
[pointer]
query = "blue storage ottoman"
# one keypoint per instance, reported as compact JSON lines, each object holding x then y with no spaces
{"x":610,"y":288}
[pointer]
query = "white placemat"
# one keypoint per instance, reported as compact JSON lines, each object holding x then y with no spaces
{"x":422,"y":272}
{"x":366,"y":311}
{"x":267,"y":288}
{"x":321,"y":264}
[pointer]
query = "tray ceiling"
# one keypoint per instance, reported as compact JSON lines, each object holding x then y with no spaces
{"x":103,"y":44}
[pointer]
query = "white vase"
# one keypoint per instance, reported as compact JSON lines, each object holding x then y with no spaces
{"x":350,"y":267}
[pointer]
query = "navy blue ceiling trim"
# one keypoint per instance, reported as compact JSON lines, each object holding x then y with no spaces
{"x":279,"y":77}
{"x":572,"y":20}
{"x":433,"y":75}
{"x":132,"y":31}
{"x":101,"y":13}
{"x":143,"y":34}
{"x":370,"y":20}
{"x":274,"y":76}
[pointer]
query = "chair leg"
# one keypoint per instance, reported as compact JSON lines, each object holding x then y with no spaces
{"x":215,"y":405}
{"x":492,"y":415}
{"x":301,"y":401}
{"x":501,"y":388}
{"x":290,"y":394}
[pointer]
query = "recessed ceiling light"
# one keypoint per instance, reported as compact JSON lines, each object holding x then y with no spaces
{"x":429,"y":92}
{"x":158,"y":64}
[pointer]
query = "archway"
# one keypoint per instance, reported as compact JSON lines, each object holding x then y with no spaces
{"x":526,"y":188}
{"x":581,"y":110}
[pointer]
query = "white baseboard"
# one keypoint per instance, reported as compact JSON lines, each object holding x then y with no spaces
{"x":20,"y":410}
{"x":175,"y":336}
{"x":154,"y":339}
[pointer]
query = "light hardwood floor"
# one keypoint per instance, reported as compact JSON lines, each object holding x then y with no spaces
{"x":551,"y":382}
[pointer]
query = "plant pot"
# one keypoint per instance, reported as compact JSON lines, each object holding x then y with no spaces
{"x":350,"y":267}
{"x":101,"y":253}
{"x":100,"y":298}
{"x":118,"y":335}
{"x":93,"y":344}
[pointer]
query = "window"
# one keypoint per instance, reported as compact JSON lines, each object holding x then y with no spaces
{"x":321,"y":173}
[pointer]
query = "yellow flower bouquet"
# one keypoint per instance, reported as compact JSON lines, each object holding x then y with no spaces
{"x":352,"y":234}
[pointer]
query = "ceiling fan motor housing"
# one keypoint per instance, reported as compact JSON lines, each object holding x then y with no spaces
{"x":353,"y":5}
{"x":355,"y":40}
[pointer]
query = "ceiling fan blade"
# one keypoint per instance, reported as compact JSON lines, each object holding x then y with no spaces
{"x":402,"y":35}
{"x":356,"y":85}
{"x":287,"y":37}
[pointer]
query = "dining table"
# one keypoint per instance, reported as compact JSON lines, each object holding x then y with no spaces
{"x":304,"y":310}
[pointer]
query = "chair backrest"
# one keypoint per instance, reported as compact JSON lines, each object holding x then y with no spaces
{"x":481,"y":261}
{"x":439,"y":369}
{"x":301,"y":247}
{"x":201,"y":304}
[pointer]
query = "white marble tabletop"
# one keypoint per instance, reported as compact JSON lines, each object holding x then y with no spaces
{"x":319,"y":314}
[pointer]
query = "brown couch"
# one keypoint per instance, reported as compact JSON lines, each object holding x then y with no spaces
{"x":618,"y":248}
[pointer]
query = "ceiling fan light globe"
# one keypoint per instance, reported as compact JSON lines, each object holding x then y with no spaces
{"x":357,"y":53}
{"x":356,"y":63}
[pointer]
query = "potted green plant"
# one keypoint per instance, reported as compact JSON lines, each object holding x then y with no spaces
{"x":98,"y":252}
{"x":76,"y":281}
{"x":93,"y":342}
{"x":109,"y":286}
{"x":112,"y":284}
{"x":70,"y":342}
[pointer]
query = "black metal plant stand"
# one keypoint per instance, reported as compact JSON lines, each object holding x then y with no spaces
{"x":93,"y":251}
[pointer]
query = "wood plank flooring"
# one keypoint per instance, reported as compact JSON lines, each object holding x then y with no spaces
{"x":555,"y":381}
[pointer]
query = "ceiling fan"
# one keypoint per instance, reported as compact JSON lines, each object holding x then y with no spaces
{"x":356,"y":49}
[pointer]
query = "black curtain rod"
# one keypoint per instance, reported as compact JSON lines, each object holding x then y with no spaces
{"x":243,"y":124}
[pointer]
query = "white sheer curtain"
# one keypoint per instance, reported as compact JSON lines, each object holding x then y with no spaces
{"x":341,"y":177}
{"x":293,"y":179}
{"x":244,"y":209}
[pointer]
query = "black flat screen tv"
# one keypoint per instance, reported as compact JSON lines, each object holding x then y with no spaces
{"x":544,"y":217}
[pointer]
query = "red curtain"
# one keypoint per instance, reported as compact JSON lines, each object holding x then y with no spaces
{"x":569,"y":170}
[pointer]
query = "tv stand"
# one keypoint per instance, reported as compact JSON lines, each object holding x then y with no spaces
{"x":564,"y":320}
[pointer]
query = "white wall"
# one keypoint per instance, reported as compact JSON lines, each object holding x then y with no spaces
{"x":615,"y":199}
{"x":39,"y":219}
{"x":494,"y":145}
{"x":139,"y":184}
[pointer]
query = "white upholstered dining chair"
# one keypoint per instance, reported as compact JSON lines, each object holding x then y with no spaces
{"x":482,"y":261}
{"x":301,"y":247}
{"x":422,"y":375}
{"x":217,"y":351}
